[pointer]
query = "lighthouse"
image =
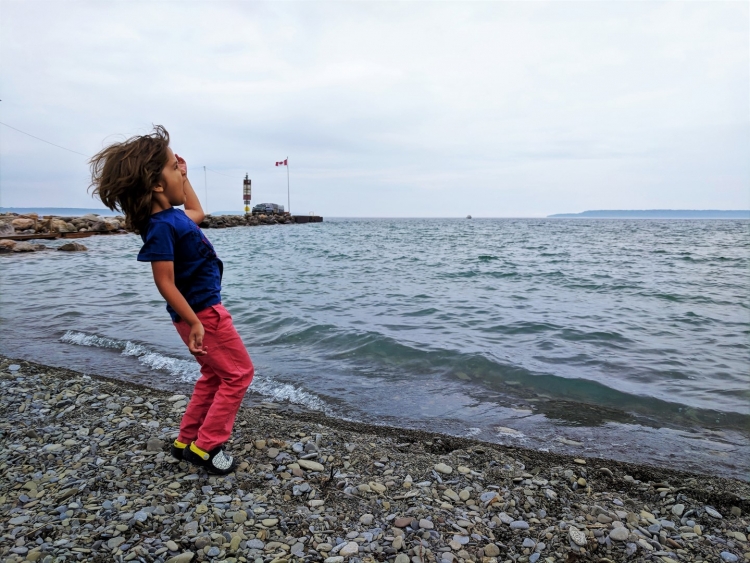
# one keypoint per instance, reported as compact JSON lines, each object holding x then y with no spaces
{"x":246,"y":193}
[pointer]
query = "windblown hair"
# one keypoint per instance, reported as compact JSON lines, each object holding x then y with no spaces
{"x":123,"y":175}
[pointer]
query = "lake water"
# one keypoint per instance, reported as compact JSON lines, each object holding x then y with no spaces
{"x":627,"y":339}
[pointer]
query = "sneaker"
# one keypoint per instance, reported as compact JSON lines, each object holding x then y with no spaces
{"x":177,"y":449}
{"x":215,"y":461}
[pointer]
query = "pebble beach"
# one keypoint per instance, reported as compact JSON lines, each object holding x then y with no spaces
{"x":86,"y":476}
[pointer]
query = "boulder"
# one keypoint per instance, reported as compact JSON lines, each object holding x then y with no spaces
{"x":60,"y":226}
{"x":98,"y":226}
{"x":24,"y":247}
{"x":6,"y":228}
{"x":112,"y":224}
{"x":72,"y":247}
{"x":23,"y":223}
{"x":7,"y":246}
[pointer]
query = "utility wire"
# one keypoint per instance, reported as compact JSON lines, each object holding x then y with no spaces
{"x":87,"y":156}
{"x":44,"y":141}
{"x":219,"y":173}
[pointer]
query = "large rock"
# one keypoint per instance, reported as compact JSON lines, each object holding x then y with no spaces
{"x":72,"y":247}
{"x":23,"y":223}
{"x":59,"y":226}
{"x":112,"y":224}
{"x":7,"y":246}
{"x":98,"y":226}
{"x":24,"y":247}
{"x":6,"y":228}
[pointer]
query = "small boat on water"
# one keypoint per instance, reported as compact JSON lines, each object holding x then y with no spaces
{"x":468,"y":216}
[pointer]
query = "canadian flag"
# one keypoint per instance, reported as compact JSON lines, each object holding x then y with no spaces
{"x":282,"y":163}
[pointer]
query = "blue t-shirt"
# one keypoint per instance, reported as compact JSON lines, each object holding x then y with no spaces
{"x":173,"y":236}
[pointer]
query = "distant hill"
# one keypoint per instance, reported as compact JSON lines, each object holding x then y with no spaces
{"x":658,"y":214}
{"x":62,"y":211}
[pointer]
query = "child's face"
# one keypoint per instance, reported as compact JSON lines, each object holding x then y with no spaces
{"x":172,"y":179}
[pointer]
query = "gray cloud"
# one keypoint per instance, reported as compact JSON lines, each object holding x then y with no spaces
{"x":389,"y":109}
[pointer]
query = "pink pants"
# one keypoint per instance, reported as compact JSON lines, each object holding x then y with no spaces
{"x":226,"y":373}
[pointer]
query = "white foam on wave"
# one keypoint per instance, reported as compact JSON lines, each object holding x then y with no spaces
{"x":473,"y":432}
{"x":82,"y":339}
{"x":188,"y":371}
{"x":277,"y":391}
{"x":511,"y":432}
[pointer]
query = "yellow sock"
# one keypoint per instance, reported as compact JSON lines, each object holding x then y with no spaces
{"x":196,"y":450}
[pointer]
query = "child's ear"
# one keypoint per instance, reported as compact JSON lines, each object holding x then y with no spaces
{"x":158,"y":188}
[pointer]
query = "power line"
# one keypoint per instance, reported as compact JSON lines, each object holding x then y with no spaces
{"x":43,"y":140}
{"x":87,"y":156}
{"x":219,"y":173}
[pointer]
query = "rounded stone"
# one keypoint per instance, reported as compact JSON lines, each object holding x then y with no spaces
{"x":182,"y":557}
{"x":619,"y":534}
{"x":366,"y":519}
{"x":713,"y":513}
{"x":491,"y":550}
{"x":310,"y":465}
{"x":577,"y":536}
{"x":352,"y":548}
{"x":402,"y":558}
{"x":443,"y":468}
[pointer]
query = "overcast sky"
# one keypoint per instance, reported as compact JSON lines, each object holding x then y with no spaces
{"x":388,"y":108}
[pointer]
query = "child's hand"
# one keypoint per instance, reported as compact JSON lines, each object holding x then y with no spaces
{"x":181,"y":164}
{"x":195,"y":340}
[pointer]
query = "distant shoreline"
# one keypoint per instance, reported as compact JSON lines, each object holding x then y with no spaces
{"x":593,"y":214}
{"x":656,"y":214}
{"x":62,"y":211}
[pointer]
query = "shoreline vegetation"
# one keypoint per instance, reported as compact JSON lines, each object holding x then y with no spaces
{"x":86,"y":477}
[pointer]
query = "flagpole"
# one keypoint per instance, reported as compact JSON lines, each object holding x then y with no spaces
{"x":288,"y":203}
{"x":205,"y":186}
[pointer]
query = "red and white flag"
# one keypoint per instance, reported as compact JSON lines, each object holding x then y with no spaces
{"x":282,"y":163}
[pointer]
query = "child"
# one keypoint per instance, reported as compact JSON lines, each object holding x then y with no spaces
{"x":145,"y":180}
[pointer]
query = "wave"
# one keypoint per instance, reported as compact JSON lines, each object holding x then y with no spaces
{"x":188,"y":371}
{"x":369,"y":352}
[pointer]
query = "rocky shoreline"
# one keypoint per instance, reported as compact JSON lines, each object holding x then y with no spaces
{"x":31,"y":223}
{"x":86,"y":477}
{"x":29,"y":226}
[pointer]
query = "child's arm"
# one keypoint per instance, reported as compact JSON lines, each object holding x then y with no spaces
{"x":164,"y":278}
{"x":193,"y":207}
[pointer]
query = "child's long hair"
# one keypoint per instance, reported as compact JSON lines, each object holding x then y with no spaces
{"x":124,"y":174}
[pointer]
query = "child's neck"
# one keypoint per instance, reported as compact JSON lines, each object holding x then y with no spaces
{"x":159,"y":203}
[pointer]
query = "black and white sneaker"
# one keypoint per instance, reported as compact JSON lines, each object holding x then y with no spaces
{"x":215,"y":461}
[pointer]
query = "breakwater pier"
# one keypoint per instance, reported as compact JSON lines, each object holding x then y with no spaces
{"x":17,"y":230}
